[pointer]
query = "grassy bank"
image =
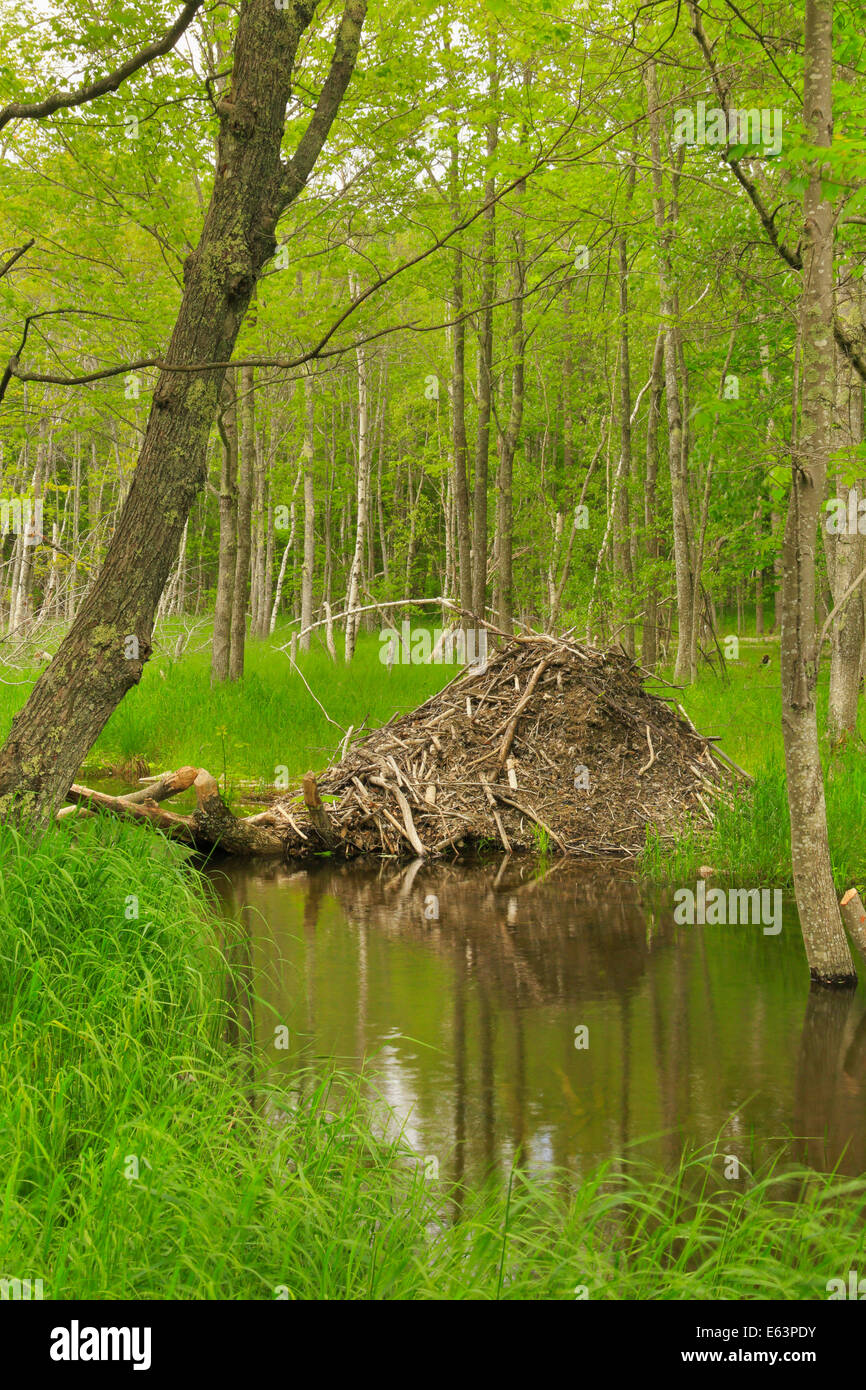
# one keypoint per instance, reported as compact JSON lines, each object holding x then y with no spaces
{"x":252,"y":728}
{"x":270,"y":724}
{"x":751,"y":837}
{"x":141,"y":1159}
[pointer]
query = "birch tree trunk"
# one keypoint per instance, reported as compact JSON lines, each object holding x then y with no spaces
{"x":353,"y":586}
{"x":308,"y":454}
{"x":228,"y":542}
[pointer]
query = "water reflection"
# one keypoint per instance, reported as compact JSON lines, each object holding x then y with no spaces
{"x":461,"y":989}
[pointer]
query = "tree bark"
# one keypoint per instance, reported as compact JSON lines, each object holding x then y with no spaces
{"x":485,"y":358}
{"x":97,"y":662}
{"x":245,"y":502}
{"x":308,"y":454}
{"x":679,"y":493}
{"x":827,"y":948}
{"x":228,"y":541}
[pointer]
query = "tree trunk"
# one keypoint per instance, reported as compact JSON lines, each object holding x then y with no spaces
{"x":827,"y":949}
{"x":353,"y":587}
{"x":245,"y":502}
{"x":308,"y":454}
{"x":679,"y":493}
{"x":228,"y":542}
{"x":846,"y":552}
{"x":485,"y":357}
{"x":104,"y":652}
{"x":508,"y":446}
{"x":621,"y":529}
{"x":649,"y":654}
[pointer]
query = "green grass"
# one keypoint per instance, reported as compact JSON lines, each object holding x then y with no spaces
{"x":265,"y":722}
{"x":751,"y":837}
{"x":142,"y":1158}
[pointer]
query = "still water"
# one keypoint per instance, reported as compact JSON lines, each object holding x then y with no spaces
{"x":462,"y":992}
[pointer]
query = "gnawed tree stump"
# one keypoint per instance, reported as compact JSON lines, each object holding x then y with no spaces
{"x":854,"y":917}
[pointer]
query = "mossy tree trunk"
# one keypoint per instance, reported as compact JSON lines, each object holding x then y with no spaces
{"x":104,"y":652}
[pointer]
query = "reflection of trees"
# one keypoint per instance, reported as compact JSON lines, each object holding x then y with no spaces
{"x":680,"y":1047}
{"x":517,"y":940}
{"x":531,"y":940}
{"x":831,"y":1070}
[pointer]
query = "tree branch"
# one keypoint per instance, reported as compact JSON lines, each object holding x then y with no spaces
{"x":35,"y":110}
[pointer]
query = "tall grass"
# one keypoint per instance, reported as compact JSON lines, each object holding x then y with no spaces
{"x":266,"y":722}
{"x":142,"y":1157}
{"x":751,"y":835}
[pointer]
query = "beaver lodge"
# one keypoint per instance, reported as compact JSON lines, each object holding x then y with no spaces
{"x":550,"y":745}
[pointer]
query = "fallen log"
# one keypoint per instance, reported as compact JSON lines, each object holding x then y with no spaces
{"x":211,"y":825}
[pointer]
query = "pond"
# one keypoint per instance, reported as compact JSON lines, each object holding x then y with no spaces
{"x":557,"y":1012}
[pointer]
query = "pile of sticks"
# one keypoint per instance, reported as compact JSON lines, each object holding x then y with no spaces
{"x":549,"y":745}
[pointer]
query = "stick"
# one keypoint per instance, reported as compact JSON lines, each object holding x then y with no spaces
{"x":652,"y":757}
{"x":521,"y":705}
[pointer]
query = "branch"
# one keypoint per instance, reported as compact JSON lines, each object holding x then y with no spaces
{"x":35,"y":110}
{"x":300,"y":166}
{"x":16,"y":255}
{"x":767,"y":218}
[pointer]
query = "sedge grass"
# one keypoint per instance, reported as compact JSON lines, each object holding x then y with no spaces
{"x":143,"y":1158}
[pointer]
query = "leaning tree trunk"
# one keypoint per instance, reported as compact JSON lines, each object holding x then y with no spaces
{"x":824,"y":936}
{"x":106,"y":648}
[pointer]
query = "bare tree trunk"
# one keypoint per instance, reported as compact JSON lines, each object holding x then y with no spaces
{"x":508,"y":445}
{"x":485,"y":355}
{"x":353,"y":586}
{"x":622,"y":560}
{"x":459,"y":455}
{"x":846,"y":551}
{"x":679,"y":489}
{"x":228,"y":542}
{"x":649,"y":654}
{"x":759,"y":575}
{"x":820,"y":920}
{"x":308,"y":455}
{"x":240,"y":592}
